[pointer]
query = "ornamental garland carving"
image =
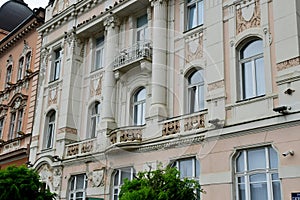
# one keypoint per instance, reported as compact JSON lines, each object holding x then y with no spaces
{"x":194,"y":47}
{"x":288,"y":63}
{"x":247,"y":15}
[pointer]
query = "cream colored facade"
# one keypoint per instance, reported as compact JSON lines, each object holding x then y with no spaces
{"x":132,"y":83}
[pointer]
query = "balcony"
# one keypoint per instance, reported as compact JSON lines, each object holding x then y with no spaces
{"x":80,"y":148}
{"x":131,"y":56}
{"x":127,"y":135}
{"x":184,"y":124}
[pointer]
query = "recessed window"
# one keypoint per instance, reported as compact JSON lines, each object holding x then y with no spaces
{"x":21,"y":68}
{"x":195,"y":90}
{"x":15,"y":124}
{"x":27,"y":62}
{"x":188,"y":168}
{"x":49,"y":129}
{"x":56,"y":67}
{"x":139,"y":106}
{"x":256,"y":174}
{"x":8,"y":75}
{"x":1,"y":127}
{"x":252,"y":71}
{"x":194,"y":13}
{"x":77,"y":187}
{"x":142,"y":28}
{"x":99,"y":54}
{"x":94,"y":117}
{"x":19,"y":121}
{"x":12,"y":126}
{"x":118,"y":179}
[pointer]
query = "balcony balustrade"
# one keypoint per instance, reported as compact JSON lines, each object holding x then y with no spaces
{"x":80,"y":148}
{"x":130,"y":56}
{"x":126,"y":135}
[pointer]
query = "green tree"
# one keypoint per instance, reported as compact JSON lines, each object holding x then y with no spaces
{"x":161,"y":184}
{"x":21,"y":183}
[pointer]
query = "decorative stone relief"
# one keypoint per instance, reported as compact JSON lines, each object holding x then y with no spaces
{"x":53,"y":95}
{"x":57,"y":175}
{"x":247,"y":15}
{"x":130,"y":135}
{"x":45,"y":174}
{"x":3,"y":111}
{"x":288,"y":63}
{"x":194,"y":47}
{"x":97,"y":178}
{"x":171,"y":127}
{"x":74,"y":44}
{"x":67,"y":130}
{"x":215,"y":85}
{"x":194,"y":122}
{"x":59,"y":6}
{"x":96,"y":85}
{"x":73,"y":150}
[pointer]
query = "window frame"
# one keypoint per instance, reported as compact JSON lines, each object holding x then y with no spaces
{"x":139,"y":120}
{"x":197,"y":90}
{"x":50,"y":125}
{"x":199,"y":12}
{"x":77,"y":190}
{"x":8,"y":75}
{"x":142,"y":29}
{"x":27,"y":62}
{"x":242,"y":76}
{"x":117,"y":187}
{"x":20,"y":69}
{"x":99,"y":47}
{"x":1,"y":126}
{"x":94,"y":119}
{"x":11,"y":133}
{"x":245,"y":175}
{"x":56,"y":65}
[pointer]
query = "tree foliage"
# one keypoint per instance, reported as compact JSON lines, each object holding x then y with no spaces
{"x":161,"y":184}
{"x":18,"y":183}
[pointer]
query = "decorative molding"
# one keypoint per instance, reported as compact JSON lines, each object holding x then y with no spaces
{"x":59,"y":6}
{"x":53,"y":95}
{"x":288,"y":63}
{"x":247,"y":15}
{"x":194,"y":47}
{"x":96,"y":85}
{"x":111,"y":21}
{"x":194,"y":123}
{"x":170,"y":128}
{"x":97,"y":178}
{"x":215,"y":85}
{"x":67,"y":130}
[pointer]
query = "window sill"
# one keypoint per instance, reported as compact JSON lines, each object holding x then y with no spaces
{"x":198,"y":28}
{"x":256,"y":98}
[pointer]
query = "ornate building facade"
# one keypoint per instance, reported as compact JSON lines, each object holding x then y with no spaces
{"x":207,"y":86}
{"x":19,"y":65}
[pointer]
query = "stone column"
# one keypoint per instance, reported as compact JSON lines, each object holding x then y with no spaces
{"x":159,"y":60}
{"x":109,"y":94}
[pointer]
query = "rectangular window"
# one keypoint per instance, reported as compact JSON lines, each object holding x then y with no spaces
{"x":55,"y":71}
{"x":27,"y":62}
{"x":8,"y":76}
{"x":119,"y":177}
{"x":19,"y":122}
{"x":142,"y":28}
{"x":77,"y":187}
{"x":1,"y":127}
{"x":20,"y":70}
{"x":12,"y":126}
{"x":99,"y":54}
{"x":194,"y":13}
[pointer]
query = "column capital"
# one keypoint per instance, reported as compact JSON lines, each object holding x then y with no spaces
{"x":111,"y":21}
{"x":155,"y":2}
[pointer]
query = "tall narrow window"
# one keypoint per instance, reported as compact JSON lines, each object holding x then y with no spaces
{"x":77,"y":187}
{"x":139,"y":106}
{"x":21,"y":67}
{"x":99,"y":54}
{"x":252,"y":75}
{"x":1,"y":127}
{"x":55,"y":72}
{"x":19,"y":121}
{"x":256,"y":174}
{"x":195,"y":91}
{"x":118,"y":179}
{"x":94,"y":115}
{"x":50,"y":129}
{"x":142,"y":28}
{"x":12,"y":126}
{"x":194,"y":13}
{"x":27,"y":62}
{"x":8,"y":75}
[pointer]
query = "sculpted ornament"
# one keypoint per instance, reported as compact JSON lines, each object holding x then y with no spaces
{"x":97,"y":178}
{"x":57,"y":178}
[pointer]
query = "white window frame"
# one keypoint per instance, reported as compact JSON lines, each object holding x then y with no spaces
{"x":245,"y":174}
{"x":198,"y":15}
{"x":94,"y":119}
{"x":117,"y":187}
{"x":255,"y":82}
{"x":56,"y":66}
{"x":21,"y":68}
{"x":49,"y":130}
{"x":99,"y":54}
{"x":77,"y":190}
{"x":194,"y":166}
{"x":139,"y":107}
{"x":196,"y":101}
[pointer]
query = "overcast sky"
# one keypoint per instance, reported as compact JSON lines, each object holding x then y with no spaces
{"x":31,"y":3}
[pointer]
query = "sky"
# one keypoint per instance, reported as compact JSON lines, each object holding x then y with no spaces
{"x":31,"y":3}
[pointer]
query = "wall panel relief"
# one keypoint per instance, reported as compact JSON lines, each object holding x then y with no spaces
{"x":194,"y":47}
{"x":247,"y":15}
{"x":96,"y":85}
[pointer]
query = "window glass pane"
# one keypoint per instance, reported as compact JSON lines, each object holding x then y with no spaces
{"x":116,"y":178}
{"x":240,"y":162}
{"x":260,"y":76}
{"x":141,"y":95}
{"x":72,"y":183}
{"x":200,"y":12}
{"x":186,"y":168}
{"x":201,"y":97}
{"x":125,"y":173}
{"x":247,"y":79}
{"x":276,"y":187}
{"x":192,"y":16}
{"x":196,"y":77}
{"x":273,"y":158}
{"x":242,"y":191}
{"x":141,"y":21}
{"x":79,"y":194}
{"x":252,"y":49}
{"x":256,"y":159}
{"x":258,"y":187}
{"x":80,"y":182}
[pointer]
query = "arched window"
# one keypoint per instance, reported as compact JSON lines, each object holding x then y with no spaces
{"x":252,"y":72}
{"x":139,"y":104}
{"x":94,"y":119}
{"x":49,"y":129}
{"x":195,"y":90}
{"x":256,"y":174}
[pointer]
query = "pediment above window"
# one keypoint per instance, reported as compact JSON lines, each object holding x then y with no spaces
{"x":19,"y":100}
